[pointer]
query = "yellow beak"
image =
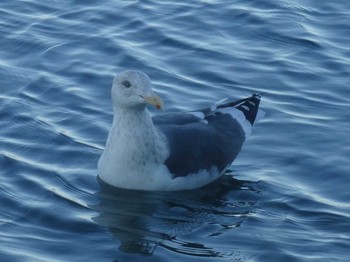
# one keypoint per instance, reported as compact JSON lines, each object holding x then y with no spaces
{"x":154,"y":100}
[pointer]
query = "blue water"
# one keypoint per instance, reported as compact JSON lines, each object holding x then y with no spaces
{"x":286,"y":198}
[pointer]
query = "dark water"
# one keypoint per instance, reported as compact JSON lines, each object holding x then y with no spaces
{"x":287,"y":195}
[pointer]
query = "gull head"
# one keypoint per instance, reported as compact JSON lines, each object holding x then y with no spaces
{"x":133,"y":90}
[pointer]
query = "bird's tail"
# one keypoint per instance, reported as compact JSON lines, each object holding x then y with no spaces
{"x":249,"y":107}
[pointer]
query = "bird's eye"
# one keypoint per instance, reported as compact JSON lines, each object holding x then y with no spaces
{"x":126,"y":83}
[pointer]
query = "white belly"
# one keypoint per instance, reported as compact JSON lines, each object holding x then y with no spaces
{"x":154,"y":178}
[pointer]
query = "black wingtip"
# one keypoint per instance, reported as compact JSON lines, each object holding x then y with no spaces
{"x":250,"y":106}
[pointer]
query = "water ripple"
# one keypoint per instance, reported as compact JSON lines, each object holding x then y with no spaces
{"x":286,"y":198}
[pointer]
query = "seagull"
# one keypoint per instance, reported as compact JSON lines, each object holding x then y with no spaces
{"x":174,"y":151}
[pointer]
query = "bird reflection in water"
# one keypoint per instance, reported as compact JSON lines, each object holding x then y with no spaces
{"x":144,"y":220}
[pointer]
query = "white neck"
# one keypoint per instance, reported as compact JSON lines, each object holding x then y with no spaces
{"x":133,"y":147}
{"x":134,"y":133}
{"x":132,"y":118}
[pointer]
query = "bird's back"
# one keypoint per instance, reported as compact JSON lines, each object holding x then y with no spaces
{"x":208,"y":138}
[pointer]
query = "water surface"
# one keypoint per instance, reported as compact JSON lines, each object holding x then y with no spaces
{"x":286,"y":198}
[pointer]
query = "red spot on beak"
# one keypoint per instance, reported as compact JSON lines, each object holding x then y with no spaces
{"x":158,"y":107}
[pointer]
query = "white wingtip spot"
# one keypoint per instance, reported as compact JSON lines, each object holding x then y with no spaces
{"x":221,"y":101}
{"x":246,"y":108}
{"x":200,"y":115}
{"x":213,"y":108}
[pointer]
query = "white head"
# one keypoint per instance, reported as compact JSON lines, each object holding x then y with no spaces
{"x":133,"y":90}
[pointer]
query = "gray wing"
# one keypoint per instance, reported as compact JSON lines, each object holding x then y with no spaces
{"x":206,"y":138}
{"x":177,"y":118}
